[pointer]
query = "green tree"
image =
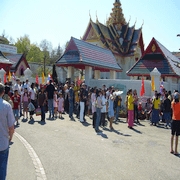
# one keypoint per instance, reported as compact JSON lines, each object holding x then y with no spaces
{"x":23,"y":44}
{"x":34,"y":54}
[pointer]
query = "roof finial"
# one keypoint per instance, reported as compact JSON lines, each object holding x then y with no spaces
{"x":135,"y":22}
{"x":90,"y":15}
{"x":142,"y":23}
{"x":96,"y":16}
{"x":129,"y":19}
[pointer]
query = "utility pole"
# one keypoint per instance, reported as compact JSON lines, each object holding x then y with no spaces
{"x":45,"y":65}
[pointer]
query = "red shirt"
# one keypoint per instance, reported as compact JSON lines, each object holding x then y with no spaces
{"x":16,"y":101}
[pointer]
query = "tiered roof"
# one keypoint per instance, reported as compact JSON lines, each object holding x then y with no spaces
{"x":80,"y":54}
{"x":116,"y":35}
{"x":156,"y":55}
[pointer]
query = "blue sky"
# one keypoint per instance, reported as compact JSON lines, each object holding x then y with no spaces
{"x":58,"y":20}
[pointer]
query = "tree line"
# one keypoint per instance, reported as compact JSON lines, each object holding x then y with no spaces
{"x":34,"y":52}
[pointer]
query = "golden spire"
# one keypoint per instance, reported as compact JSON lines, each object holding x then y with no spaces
{"x":116,"y":17}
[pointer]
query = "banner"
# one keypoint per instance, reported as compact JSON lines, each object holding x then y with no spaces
{"x":152,"y":84}
{"x":142,"y":88}
{"x":43,"y":78}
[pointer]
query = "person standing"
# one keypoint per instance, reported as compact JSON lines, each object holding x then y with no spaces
{"x":42,"y":102}
{"x":130,"y":109}
{"x":135,"y":97}
{"x":117,"y":106}
{"x":6,"y":132}
{"x":25,"y":101}
{"x":175,"y":126}
{"x":155,"y":109}
{"x":111,"y":108}
{"x":17,"y":87}
{"x":66,"y":98}
{"x":60,"y":105}
{"x":71,"y":101}
{"x":104,"y":109}
{"x":50,"y":95}
{"x":82,"y":102}
{"x":98,"y":110}
{"x":16,"y":105}
{"x":93,"y":100}
{"x":167,"y":111}
{"x":55,"y":103}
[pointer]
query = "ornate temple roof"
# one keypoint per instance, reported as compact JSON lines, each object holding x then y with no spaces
{"x":80,"y":54}
{"x":4,"y":59}
{"x":116,"y":35}
{"x":156,"y":55}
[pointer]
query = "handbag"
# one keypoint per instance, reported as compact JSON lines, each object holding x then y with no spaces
{"x":38,"y":111}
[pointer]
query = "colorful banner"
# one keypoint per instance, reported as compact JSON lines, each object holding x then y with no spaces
{"x":142,"y":88}
{"x":152,"y":84}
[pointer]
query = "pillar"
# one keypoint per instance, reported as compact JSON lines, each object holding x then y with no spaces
{"x":112,"y":74}
{"x":97,"y":74}
{"x":156,"y":74}
{"x":70,"y":73}
{"x":88,"y":74}
{"x":2,"y":72}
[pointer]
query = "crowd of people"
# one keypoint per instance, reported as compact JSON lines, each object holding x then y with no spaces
{"x":102,"y":105}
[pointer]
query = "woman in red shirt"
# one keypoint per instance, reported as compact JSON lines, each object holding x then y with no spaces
{"x":175,"y":126}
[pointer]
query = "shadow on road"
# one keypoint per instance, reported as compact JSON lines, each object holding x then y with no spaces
{"x":86,"y":124}
{"x":135,"y":130}
{"x":102,"y":135}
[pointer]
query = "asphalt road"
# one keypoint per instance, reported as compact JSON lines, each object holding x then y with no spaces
{"x":68,"y":150}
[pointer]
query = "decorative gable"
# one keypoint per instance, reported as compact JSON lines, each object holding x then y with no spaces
{"x":91,"y":35}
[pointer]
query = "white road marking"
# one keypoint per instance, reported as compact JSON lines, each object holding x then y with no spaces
{"x":41,"y":175}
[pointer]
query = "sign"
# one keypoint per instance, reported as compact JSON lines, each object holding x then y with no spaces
{"x":8,"y":49}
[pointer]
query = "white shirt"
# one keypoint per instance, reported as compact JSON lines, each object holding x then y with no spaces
{"x":7,"y":121}
{"x":17,"y":87}
{"x":33,"y":94}
{"x":104,"y":101}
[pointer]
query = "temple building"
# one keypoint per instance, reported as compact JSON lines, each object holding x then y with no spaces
{"x":156,"y":55}
{"x":125,"y":42}
{"x":16,"y":63}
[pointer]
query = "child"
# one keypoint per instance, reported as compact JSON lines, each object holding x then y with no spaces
{"x":31,"y":109}
{"x":16,"y":101}
{"x":60,"y":105}
{"x":55,"y":103}
{"x":25,"y":100}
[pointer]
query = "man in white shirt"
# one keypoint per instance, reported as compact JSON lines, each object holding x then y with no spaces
{"x":6,"y":131}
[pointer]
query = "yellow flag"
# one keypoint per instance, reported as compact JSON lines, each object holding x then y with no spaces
{"x":43,"y":78}
{"x":9,"y":76}
{"x":153,"y":84}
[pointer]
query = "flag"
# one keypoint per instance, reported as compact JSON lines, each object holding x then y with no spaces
{"x":9,"y":76}
{"x":152,"y":84}
{"x":48,"y":78}
{"x":161,"y":87}
{"x":142,"y":88}
{"x":37,"y":80}
{"x":5,"y":80}
{"x":14,"y":77}
{"x":43,"y":78}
